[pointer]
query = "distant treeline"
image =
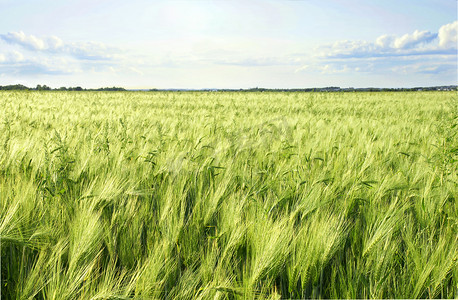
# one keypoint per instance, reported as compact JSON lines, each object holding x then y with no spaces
{"x":339,"y":89}
{"x":47,"y":88}
{"x":324,"y":89}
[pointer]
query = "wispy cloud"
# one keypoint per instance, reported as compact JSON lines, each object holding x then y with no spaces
{"x":11,"y":57}
{"x":55,"y":45}
{"x":30,"y":42}
{"x":50,"y":55}
{"x":259,"y":61}
{"x":14,"y":62}
{"x":428,"y":69}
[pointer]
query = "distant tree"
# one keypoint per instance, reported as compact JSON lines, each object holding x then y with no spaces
{"x":42,"y":88}
{"x":14,"y":87}
{"x":111,"y":89}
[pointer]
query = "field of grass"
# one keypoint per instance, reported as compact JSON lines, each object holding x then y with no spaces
{"x":120,"y":195}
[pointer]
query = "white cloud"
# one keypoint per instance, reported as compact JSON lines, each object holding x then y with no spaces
{"x":303,"y":68}
{"x":54,"y":42}
{"x":27,"y":41}
{"x":11,"y":57}
{"x":89,"y":50}
{"x":347,"y":48}
{"x":135,"y":70}
{"x":421,"y":53}
{"x":384,"y":41}
{"x":14,"y":63}
{"x":16,"y":56}
{"x":431,"y":68}
{"x":417,"y":43}
{"x":448,"y":35}
{"x":408,"y":41}
{"x":51,"y":55}
{"x":54,"y":45}
{"x":248,"y":61}
{"x":331,"y":68}
{"x":417,"y":53}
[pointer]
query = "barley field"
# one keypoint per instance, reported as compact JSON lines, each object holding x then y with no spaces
{"x":228,"y":195}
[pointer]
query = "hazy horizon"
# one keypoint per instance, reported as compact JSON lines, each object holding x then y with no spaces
{"x":228,"y":44}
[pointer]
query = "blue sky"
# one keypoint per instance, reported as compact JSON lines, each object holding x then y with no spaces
{"x":228,"y":43}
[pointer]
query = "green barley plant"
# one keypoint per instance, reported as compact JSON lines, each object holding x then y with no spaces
{"x":194,"y":195}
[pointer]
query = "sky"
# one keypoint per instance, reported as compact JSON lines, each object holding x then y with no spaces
{"x":198,"y":44}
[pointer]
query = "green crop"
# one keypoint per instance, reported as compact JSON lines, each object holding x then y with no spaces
{"x":187,"y":195}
